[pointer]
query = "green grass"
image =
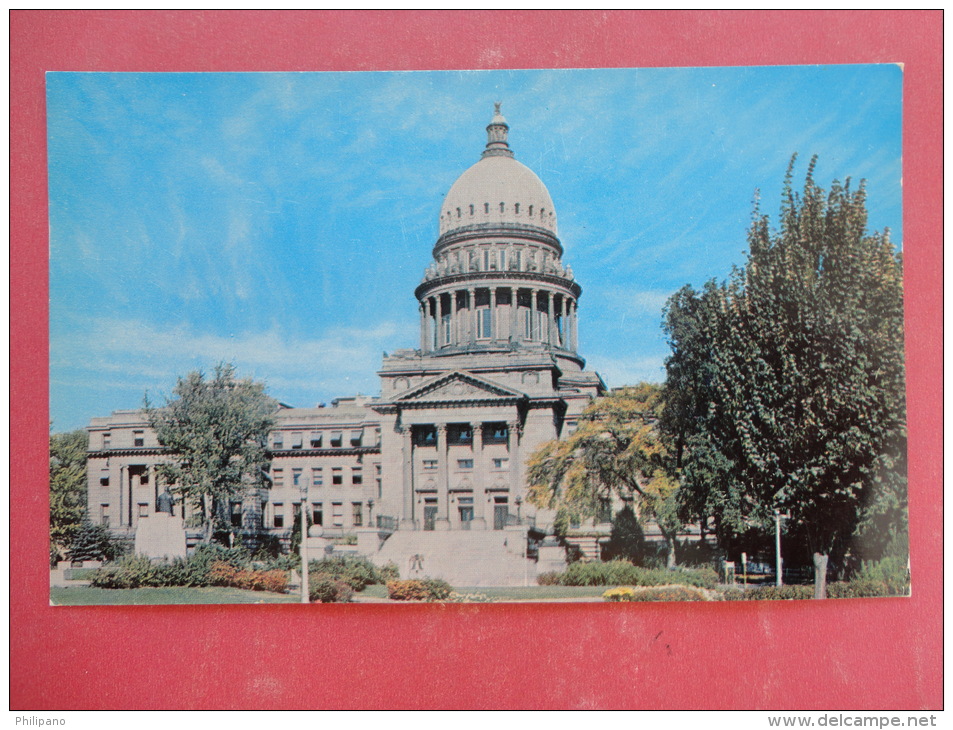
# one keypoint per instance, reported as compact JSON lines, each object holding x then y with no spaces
{"x":86,"y":596}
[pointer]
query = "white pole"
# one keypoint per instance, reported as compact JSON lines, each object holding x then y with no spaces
{"x":305,"y":598}
{"x":777,"y":544}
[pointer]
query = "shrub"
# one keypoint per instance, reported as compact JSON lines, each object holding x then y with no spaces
{"x":428,"y":589}
{"x":549,"y":579}
{"x":862,"y":589}
{"x":225,"y":574}
{"x":388,"y":573}
{"x":95,"y":542}
{"x":622,"y":593}
{"x":890,"y":571}
{"x":324,"y":588}
{"x":357,"y":572}
{"x":770,"y":593}
{"x":455,"y":597}
{"x":623,"y":572}
{"x":130,"y":572}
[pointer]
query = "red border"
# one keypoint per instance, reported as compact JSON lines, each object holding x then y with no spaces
{"x":844,"y":655}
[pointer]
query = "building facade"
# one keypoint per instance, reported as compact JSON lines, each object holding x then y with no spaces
{"x":433,"y":468}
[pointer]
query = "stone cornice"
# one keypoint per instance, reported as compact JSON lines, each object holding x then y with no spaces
{"x":131,"y":451}
{"x":482,"y":231}
{"x":342,"y":451}
{"x":503,"y":279}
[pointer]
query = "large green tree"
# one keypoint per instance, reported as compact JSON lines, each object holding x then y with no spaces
{"x":67,"y":488}
{"x":616,"y":449}
{"x":215,"y":429}
{"x":785,"y":387}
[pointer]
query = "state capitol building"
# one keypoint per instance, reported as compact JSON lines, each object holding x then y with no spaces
{"x":431,"y":473}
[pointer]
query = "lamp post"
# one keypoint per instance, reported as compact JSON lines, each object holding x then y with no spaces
{"x":519,"y":503}
{"x":777,"y":545}
{"x":305,"y":598}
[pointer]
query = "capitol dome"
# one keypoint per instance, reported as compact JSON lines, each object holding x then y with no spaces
{"x":498,"y":190}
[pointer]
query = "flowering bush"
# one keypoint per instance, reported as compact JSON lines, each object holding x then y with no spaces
{"x":429,"y":589}
{"x":455,"y":597}
{"x":655,"y":593}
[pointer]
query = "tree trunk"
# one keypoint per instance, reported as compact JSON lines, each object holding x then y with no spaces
{"x":820,"y":575}
{"x":207,"y":510}
{"x":670,"y":561}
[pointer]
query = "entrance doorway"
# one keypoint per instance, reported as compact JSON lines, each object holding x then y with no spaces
{"x":500,"y":512}
{"x":430,"y":513}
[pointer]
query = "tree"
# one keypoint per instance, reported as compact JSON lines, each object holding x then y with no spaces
{"x":67,"y":488}
{"x":215,"y":430}
{"x":615,"y":450}
{"x":785,"y":388}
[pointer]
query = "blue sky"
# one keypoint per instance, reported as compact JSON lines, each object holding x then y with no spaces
{"x":282,"y":221}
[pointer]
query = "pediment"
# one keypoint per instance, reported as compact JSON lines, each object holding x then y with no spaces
{"x":458,"y":386}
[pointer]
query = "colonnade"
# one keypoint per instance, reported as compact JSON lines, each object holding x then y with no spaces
{"x":452,"y":317}
{"x":413,"y":517}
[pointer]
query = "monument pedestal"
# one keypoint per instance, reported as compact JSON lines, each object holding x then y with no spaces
{"x":160,"y":535}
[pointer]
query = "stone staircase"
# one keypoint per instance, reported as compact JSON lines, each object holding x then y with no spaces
{"x":462,"y":558}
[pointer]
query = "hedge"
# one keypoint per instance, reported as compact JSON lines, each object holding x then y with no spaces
{"x":623,"y":572}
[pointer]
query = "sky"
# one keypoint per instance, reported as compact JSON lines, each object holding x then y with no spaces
{"x":281,"y":222}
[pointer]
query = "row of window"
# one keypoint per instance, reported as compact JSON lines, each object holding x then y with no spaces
{"x":316,"y":476}
{"x":429,"y":464}
{"x":335,"y":439}
{"x":486,"y":210}
{"x":138,"y":439}
{"x":461,"y":434}
{"x":317,"y":514}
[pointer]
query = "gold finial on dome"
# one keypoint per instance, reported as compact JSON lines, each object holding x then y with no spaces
{"x":496,"y":131}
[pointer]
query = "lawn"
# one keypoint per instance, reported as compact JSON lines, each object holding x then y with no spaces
{"x":86,"y":596}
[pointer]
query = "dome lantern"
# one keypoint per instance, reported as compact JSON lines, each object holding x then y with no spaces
{"x":496,"y":130}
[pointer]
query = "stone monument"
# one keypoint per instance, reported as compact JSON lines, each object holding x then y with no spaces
{"x":161,"y":534}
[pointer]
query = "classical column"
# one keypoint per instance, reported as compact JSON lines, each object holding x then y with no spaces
{"x":407,"y":518}
{"x":480,"y":479}
{"x":443,"y":480}
{"x":513,"y":427}
{"x":575,"y":325}
{"x":493,"y":323}
{"x":472,"y":310}
{"x":514,"y":315}
{"x":155,"y":486}
{"x":534,"y":332}
{"x":423,"y":326}
{"x":549,"y":318}
{"x":123,"y":480}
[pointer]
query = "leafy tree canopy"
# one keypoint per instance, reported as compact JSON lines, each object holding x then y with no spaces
{"x":67,"y":487}
{"x":785,"y":386}
{"x":216,"y":430}
{"x":616,"y":449}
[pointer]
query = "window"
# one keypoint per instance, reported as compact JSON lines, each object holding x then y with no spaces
{"x":541,"y":325}
{"x":503,"y":256}
{"x":315,"y":439}
{"x":317,"y":476}
{"x":107,"y":440}
{"x":425,"y":436}
{"x":357,"y":437}
{"x":144,"y":476}
{"x":518,"y":255}
{"x":430,"y":463}
{"x":296,"y":441}
{"x":138,"y":438}
{"x":459,"y":434}
{"x":278,"y":440}
{"x":465,"y":506}
{"x":486,"y":259}
{"x":501,"y":463}
{"x":357,"y":514}
{"x":104,"y":477}
{"x":336,"y":439}
{"x":278,"y":478}
{"x":337,"y":514}
{"x":495,"y":433}
{"x":143,"y":509}
{"x":528,"y":324}
{"x":278,"y":518}
{"x":357,"y":476}
{"x":484,"y":323}
{"x":604,"y":513}
{"x":236,"y":514}
{"x":296,"y":477}
{"x":317,"y":513}
{"x":104,"y":515}
{"x":464,"y":463}
{"x":337,"y":475}
{"x":445,"y":320}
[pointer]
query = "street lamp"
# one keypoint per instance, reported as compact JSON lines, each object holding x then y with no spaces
{"x":519,"y":503}
{"x":305,"y":598}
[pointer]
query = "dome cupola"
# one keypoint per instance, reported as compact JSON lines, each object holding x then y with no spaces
{"x":498,"y":191}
